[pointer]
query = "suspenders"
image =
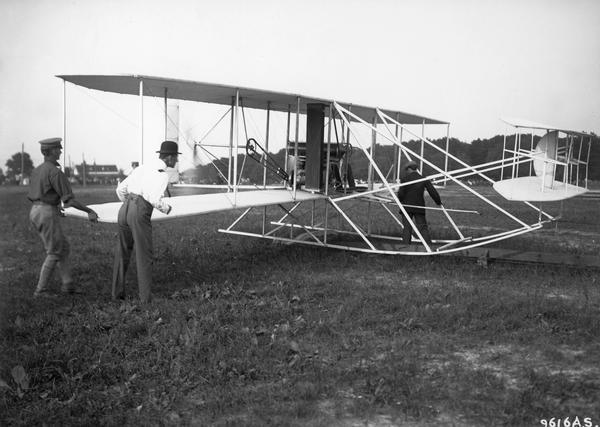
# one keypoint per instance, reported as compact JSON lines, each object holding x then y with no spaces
{"x":166,"y":189}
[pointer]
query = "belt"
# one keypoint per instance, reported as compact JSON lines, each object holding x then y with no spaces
{"x":136,"y":197}
{"x":39,"y":202}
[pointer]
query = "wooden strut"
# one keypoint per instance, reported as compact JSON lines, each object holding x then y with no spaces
{"x":485,"y":255}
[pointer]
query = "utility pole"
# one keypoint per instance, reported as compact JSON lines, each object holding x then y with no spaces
{"x":22,"y":162}
{"x":83,"y":168}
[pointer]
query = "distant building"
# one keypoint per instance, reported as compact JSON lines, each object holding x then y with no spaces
{"x":97,"y":174}
{"x":173,"y":173}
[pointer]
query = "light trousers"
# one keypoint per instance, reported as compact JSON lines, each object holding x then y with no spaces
{"x":47,"y":222}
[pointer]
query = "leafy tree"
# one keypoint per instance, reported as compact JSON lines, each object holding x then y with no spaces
{"x":2,"y":177}
{"x":13,"y":166}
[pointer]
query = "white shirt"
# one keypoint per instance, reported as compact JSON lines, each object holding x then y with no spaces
{"x":149,"y":181}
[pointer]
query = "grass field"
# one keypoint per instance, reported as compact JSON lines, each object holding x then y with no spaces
{"x":246,"y":332}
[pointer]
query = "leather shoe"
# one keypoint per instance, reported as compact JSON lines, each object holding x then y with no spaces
{"x":44,"y":294}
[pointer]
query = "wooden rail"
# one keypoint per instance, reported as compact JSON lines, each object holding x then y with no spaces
{"x":487,"y":255}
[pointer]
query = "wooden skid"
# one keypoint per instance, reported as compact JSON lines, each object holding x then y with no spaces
{"x":486,"y":255}
{"x":321,"y":231}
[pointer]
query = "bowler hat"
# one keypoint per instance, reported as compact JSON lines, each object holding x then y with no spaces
{"x":411,"y":165}
{"x":168,"y":147}
{"x":50,"y":143}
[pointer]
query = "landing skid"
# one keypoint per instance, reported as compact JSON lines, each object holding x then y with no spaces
{"x":322,"y":223}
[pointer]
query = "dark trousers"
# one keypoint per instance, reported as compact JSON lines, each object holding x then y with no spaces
{"x":135,"y":232}
{"x":420,"y":222}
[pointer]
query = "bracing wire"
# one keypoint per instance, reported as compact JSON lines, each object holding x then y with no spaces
{"x":213,"y":160}
{"x":112,"y":110}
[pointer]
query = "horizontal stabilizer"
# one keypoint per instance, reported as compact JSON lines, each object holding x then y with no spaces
{"x":534,"y":189}
{"x":199,"y":204}
{"x":528,"y":124}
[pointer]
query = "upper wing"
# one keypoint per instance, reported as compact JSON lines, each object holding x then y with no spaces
{"x":202,"y":203}
{"x":222,"y":94}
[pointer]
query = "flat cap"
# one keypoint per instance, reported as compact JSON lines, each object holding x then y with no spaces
{"x":51,"y":143}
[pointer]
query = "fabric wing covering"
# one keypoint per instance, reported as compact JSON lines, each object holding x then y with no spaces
{"x":535,"y":189}
{"x":528,"y":124}
{"x":225,"y":95}
{"x":199,"y":204}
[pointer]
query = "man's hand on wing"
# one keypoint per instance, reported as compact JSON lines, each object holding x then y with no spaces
{"x":92,"y":216}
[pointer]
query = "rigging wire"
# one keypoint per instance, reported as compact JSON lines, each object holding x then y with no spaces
{"x":195,"y":144}
{"x":88,"y":93}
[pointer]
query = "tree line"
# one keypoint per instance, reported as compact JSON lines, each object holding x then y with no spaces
{"x":477,"y":152}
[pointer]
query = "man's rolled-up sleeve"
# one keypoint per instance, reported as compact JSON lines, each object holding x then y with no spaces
{"x":155,"y":195}
{"x":122,"y":190}
{"x":61,"y":185}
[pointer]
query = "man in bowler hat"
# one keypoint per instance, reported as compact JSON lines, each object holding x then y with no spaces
{"x":49,"y":187}
{"x":141,"y":192}
{"x":412,"y":194}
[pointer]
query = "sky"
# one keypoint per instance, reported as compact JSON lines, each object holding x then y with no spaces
{"x":469,"y":62}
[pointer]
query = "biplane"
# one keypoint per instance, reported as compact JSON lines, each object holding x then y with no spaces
{"x":314,"y":198}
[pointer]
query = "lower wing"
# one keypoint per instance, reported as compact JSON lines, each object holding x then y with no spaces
{"x":199,"y":204}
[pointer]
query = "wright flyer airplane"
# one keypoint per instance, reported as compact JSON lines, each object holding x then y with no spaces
{"x":313,"y":198}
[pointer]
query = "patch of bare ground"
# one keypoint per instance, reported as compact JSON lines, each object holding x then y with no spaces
{"x":570,"y":241}
{"x":508,"y":362}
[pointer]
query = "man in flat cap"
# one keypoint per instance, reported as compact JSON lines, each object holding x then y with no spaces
{"x":412,"y":195}
{"x":49,"y":187}
{"x":141,"y":192}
